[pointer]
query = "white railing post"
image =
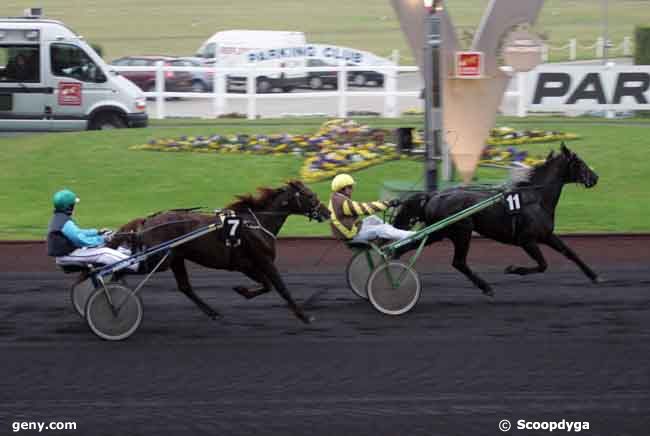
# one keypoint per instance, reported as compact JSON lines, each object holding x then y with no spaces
{"x":160,"y":89}
{"x":600,"y":47}
{"x":544,"y":53}
{"x":627,"y":46}
{"x":250,"y":93}
{"x":573,"y":45}
{"x":390,"y":99}
{"x":342,"y":89}
{"x":394,"y":57}
{"x":219,"y":93}
{"x":522,"y":94}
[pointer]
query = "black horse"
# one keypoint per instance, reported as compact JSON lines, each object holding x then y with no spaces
{"x":536,"y":193}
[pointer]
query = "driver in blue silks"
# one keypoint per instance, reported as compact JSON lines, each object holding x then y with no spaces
{"x":72,"y":245}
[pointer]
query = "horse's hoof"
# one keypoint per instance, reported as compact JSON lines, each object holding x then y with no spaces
{"x":241,"y":291}
{"x":511,"y":269}
{"x":488,"y":292}
{"x":598,"y":279}
{"x":307,"y":319}
{"x":215,"y":316}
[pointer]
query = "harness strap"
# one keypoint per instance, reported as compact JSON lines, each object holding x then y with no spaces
{"x":261,"y":226}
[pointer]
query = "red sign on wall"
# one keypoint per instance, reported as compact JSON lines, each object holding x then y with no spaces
{"x":69,"y":94}
{"x":469,"y":64}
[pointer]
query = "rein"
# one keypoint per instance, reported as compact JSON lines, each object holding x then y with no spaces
{"x":264,"y":229}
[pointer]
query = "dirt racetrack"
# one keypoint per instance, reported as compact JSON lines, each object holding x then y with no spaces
{"x":549,"y":347}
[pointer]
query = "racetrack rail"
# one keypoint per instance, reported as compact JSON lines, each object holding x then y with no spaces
{"x":323,"y":253}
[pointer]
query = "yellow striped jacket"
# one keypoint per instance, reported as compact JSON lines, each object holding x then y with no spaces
{"x":346,"y":213}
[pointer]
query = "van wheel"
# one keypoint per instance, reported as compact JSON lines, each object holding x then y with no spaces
{"x":315,"y":83}
{"x":198,"y":86}
{"x":107,"y":121}
{"x":360,"y":80}
{"x":263,"y":85}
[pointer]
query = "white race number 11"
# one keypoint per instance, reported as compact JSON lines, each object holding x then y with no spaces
{"x":513,"y":202}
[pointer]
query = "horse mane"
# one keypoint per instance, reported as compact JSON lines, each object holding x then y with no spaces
{"x":263,"y":200}
{"x":522,"y":176}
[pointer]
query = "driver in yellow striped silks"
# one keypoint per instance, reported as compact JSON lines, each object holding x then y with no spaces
{"x":346,"y":214}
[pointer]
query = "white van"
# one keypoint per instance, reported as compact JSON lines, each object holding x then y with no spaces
{"x":230,"y":48}
{"x":51,"y":79}
{"x":236,"y":48}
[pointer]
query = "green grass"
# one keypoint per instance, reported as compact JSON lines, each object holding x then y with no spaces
{"x":125,"y":27}
{"x":116,"y":184}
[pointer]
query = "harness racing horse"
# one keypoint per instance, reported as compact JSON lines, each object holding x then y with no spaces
{"x":261,"y":217}
{"x":538,"y":190}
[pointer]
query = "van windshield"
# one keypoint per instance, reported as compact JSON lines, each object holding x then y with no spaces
{"x":20,"y":63}
{"x":207,"y":51}
{"x":68,"y":60}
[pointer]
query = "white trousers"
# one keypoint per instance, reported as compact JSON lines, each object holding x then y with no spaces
{"x":373,"y":227}
{"x":96,"y":255}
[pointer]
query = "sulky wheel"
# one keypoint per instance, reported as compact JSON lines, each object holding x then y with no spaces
{"x":117,"y":321}
{"x":394,"y":288}
{"x":358,"y":270}
{"x":80,"y":293}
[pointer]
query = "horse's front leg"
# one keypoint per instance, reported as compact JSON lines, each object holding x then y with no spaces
{"x":534,"y":252}
{"x":461,"y":237}
{"x":183,"y":283}
{"x":259,"y":277}
{"x":270,"y":271}
{"x":556,"y":243}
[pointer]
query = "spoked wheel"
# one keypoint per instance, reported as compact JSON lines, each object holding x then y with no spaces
{"x":359,"y":269}
{"x":394,"y":288}
{"x":81,"y":292}
{"x":116,"y":321}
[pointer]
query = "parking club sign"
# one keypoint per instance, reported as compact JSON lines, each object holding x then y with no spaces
{"x":69,"y":94}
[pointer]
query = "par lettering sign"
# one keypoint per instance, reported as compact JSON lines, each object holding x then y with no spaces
{"x":599,"y":87}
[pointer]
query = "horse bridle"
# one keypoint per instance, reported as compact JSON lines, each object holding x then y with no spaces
{"x":312,"y":213}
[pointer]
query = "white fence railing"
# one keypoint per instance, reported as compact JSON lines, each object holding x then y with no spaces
{"x":220,"y":97}
{"x":598,"y":47}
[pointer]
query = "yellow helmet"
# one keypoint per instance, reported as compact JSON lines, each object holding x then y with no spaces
{"x":341,"y":181}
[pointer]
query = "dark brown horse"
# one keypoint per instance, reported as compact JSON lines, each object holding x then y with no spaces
{"x":538,"y":192}
{"x":262,"y":218}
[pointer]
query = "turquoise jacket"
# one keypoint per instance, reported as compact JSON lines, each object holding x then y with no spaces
{"x":82,"y":237}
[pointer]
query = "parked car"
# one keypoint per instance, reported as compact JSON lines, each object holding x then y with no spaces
{"x":175,"y":81}
{"x":202,"y":81}
{"x":268,"y":82}
{"x":365,"y":78}
{"x":322,"y":79}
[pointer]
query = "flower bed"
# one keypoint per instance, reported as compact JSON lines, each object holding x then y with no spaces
{"x":510,"y":136}
{"x":344,"y":146}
